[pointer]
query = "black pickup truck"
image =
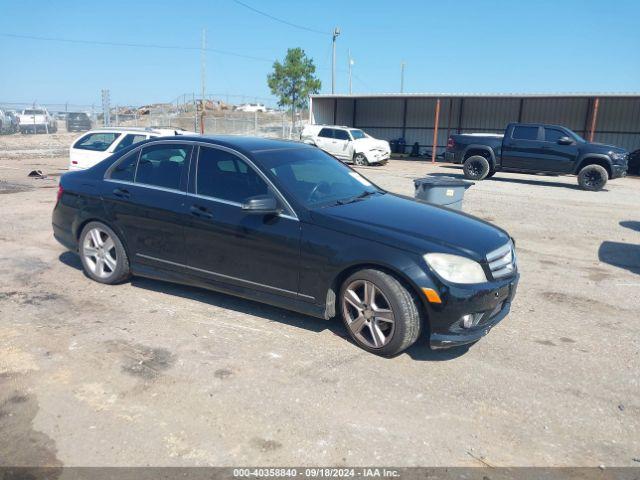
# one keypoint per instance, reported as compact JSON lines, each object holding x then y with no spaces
{"x":537,"y":148}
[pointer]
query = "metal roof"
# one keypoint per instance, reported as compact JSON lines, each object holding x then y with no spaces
{"x":478,"y":95}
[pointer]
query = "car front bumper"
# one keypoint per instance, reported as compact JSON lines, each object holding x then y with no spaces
{"x":489,"y":303}
{"x":377,"y":156}
{"x":618,"y":171}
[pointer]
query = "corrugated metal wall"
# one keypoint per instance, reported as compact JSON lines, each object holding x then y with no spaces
{"x":569,"y":112}
{"x":617,"y":122}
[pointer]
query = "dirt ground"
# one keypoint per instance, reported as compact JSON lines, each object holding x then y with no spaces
{"x":149,"y":373}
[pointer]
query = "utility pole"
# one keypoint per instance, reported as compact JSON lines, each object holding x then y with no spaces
{"x":203,"y":58}
{"x":336,"y":32}
{"x":402,"y":77}
{"x":351,"y":62}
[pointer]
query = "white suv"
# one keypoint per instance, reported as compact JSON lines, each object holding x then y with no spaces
{"x":346,"y":143}
{"x":96,"y":145}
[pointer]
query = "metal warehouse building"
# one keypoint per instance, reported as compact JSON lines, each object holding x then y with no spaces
{"x":421,"y":118}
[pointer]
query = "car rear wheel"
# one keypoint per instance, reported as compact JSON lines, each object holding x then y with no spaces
{"x":380,"y":314}
{"x":360,"y":159}
{"x":102,"y":254}
{"x":593,"y":177}
{"x":476,"y":167}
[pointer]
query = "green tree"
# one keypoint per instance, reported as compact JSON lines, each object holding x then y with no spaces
{"x":293,"y":80}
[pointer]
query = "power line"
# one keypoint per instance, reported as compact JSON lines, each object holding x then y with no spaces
{"x":294,"y":25}
{"x":134,"y":45}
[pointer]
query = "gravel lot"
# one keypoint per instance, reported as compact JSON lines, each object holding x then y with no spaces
{"x":149,"y":373}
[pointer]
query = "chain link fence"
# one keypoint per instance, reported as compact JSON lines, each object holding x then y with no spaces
{"x":219,"y":118}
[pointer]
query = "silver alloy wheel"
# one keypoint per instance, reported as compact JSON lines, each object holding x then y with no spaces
{"x":99,"y":252}
{"x":368,"y":313}
{"x":360,"y":159}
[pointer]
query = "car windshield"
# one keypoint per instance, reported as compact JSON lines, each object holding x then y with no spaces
{"x":315,"y":178}
{"x":33,"y":112}
{"x":77,"y":116}
{"x":356,"y":134}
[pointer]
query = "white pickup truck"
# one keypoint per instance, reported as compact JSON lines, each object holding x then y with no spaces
{"x":34,"y":120}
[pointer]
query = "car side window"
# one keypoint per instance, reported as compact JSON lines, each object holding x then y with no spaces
{"x":326,"y":133}
{"x":125,"y":169}
{"x":341,"y":134}
{"x":97,"y":142}
{"x":553,"y":135}
{"x":129,"y":140}
{"x":525,"y":133}
{"x":161,"y":165}
{"x":226,"y":176}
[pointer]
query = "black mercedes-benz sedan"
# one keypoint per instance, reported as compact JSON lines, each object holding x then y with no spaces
{"x":284,"y":223}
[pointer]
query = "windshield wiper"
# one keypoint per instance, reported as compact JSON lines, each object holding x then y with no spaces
{"x":358,"y":197}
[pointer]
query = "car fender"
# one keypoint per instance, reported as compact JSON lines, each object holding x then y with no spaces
{"x":484,"y":148}
{"x":355,"y":150}
{"x":586,"y":157}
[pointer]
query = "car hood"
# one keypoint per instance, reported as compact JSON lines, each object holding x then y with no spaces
{"x":603,"y":148}
{"x":371,"y":143}
{"x":413,"y":225}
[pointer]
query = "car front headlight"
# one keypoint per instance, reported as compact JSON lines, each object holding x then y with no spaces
{"x":618,"y":157}
{"x":456,"y":269}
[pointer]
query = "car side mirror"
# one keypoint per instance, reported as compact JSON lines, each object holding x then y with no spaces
{"x":261,"y":205}
{"x":565,"y":141}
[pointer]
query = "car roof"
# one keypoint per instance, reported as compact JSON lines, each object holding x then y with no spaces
{"x":247,"y":144}
{"x":158,"y":130}
{"x":331,"y":126}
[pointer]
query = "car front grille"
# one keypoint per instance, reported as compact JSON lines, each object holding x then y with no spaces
{"x":502,"y":261}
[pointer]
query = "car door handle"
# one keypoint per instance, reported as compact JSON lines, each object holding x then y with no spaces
{"x":122,"y":193}
{"x":200,"y":211}
{"x":546,"y":147}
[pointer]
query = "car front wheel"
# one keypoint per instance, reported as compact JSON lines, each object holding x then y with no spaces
{"x":103,"y":256}
{"x":380,"y":314}
{"x":593,"y":177}
{"x":360,"y":159}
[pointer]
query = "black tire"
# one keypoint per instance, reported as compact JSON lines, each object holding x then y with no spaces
{"x":476,"y":167}
{"x":593,"y":177}
{"x":403,"y":304}
{"x":360,"y":159}
{"x":121,"y":271}
{"x":491,"y":173}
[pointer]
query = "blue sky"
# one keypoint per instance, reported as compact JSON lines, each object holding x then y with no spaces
{"x":461,"y":46}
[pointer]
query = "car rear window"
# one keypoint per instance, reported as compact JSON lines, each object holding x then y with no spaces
{"x":525,"y":133}
{"x":97,"y":142}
